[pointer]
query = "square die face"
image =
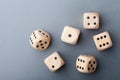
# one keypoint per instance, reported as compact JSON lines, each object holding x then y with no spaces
{"x":91,"y":20}
{"x":102,"y":41}
{"x":54,"y":62}
{"x":42,"y":44}
{"x":92,"y":64}
{"x":70,"y":35}
{"x":81,"y":64}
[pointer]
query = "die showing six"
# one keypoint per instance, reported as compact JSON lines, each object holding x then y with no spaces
{"x":102,"y":41}
{"x":40,"y":40}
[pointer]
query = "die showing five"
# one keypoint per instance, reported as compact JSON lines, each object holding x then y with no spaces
{"x":40,"y":40}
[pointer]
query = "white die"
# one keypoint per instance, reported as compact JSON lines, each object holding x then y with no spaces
{"x":91,"y":20}
{"x":39,"y":40}
{"x":86,"y":63}
{"x":102,"y":41}
{"x":70,"y":35}
{"x":54,"y":62}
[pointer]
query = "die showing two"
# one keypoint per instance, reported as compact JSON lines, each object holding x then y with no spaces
{"x":40,"y":40}
{"x":54,"y":62}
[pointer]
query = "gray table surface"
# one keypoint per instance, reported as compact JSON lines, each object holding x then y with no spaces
{"x":18,"y":18}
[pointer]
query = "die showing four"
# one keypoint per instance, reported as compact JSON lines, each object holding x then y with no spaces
{"x":40,"y":40}
{"x":91,"y":20}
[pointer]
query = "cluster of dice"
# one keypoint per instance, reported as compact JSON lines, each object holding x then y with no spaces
{"x":40,"y":40}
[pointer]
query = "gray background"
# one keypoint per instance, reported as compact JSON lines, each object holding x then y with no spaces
{"x":18,"y":18}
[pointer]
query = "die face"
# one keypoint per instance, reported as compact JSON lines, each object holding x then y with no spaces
{"x":42,"y":44}
{"x":102,"y":41}
{"x":40,"y":40}
{"x":54,"y":62}
{"x":86,"y":64}
{"x":70,"y":35}
{"x":91,"y":20}
{"x":81,"y":64}
{"x":92,"y":65}
{"x":43,"y":33}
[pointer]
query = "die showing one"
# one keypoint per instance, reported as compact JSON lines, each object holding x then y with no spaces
{"x":70,"y":35}
{"x":39,"y":40}
{"x":102,"y":41}
{"x":86,"y":63}
{"x":91,"y":20}
{"x":54,"y":62}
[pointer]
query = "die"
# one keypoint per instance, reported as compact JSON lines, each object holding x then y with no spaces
{"x":86,"y":64}
{"x":54,"y":62}
{"x":70,"y":35}
{"x":102,"y":41}
{"x":39,"y":39}
{"x":91,"y":20}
